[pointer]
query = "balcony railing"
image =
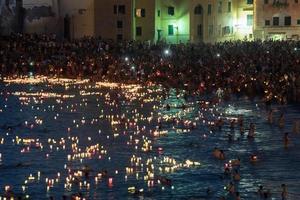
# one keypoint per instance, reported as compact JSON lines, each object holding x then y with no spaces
{"x":280,"y":3}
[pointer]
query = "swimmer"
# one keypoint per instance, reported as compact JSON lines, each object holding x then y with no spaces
{"x":260,"y":191}
{"x":270,"y":117}
{"x":222,"y":155}
{"x":284,"y":193}
{"x":230,"y":188}
{"x":267,"y":194}
{"x":219,"y":154}
{"x":296,"y":127}
{"x":104,"y":173}
{"x":168,"y":107}
{"x":236,"y":162}
{"x":253,"y":158}
{"x":236,"y":175}
{"x":251,"y":133}
{"x":220,"y":123}
{"x":227,"y":170}
{"x":208,"y":191}
{"x":242,"y":130}
{"x":230,"y":138}
{"x":241,"y":120}
{"x":232,"y":124}
{"x":281,"y":121}
{"x":165,"y":181}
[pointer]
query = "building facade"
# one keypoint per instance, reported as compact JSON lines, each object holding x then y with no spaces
{"x":66,"y":18}
{"x":175,"y":21}
{"x":172,"y":21}
{"x":277,"y":19}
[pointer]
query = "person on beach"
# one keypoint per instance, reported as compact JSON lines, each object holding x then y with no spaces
{"x":251,"y":133}
{"x":281,"y":121}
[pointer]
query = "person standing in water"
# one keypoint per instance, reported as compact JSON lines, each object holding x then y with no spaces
{"x":281,"y":121}
{"x":270,"y":117}
{"x":286,"y":140}
{"x":284,"y":193}
{"x":251,"y":133}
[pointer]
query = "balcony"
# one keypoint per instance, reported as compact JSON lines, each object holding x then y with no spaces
{"x":280,"y":4}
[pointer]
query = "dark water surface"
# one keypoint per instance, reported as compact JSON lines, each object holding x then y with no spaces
{"x":123,"y":122}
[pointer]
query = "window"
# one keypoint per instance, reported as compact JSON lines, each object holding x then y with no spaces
{"x":226,"y":30}
{"x":249,"y":20}
{"x":287,"y":20}
{"x":298,"y":22}
{"x":170,"y":30}
{"x":199,"y":30}
{"x":171,"y":10}
{"x":219,"y":6}
{"x":138,"y":31}
{"x":275,"y":21}
{"x":229,"y":6}
{"x":198,"y":10}
{"x":119,"y":37}
{"x":121,"y":9}
{"x":119,"y":24}
{"x":209,"y":9}
{"x":267,"y":22}
{"x":296,"y":1}
{"x":210,"y":30}
{"x":249,"y":1}
{"x":141,"y":12}
{"x":266,"y":1}
{"x":158,"y":13}
{"x":115,"y":9}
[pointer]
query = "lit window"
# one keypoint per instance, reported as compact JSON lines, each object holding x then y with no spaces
{"x":140,"y":12}
{"x":171,"y":10}
{"x":249,"y":20}
{"x":170,"y":30}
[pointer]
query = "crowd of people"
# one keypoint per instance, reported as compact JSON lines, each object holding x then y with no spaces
{"x":270,"y":69}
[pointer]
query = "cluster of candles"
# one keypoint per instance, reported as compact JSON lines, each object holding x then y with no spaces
{"x":122,"y":107}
